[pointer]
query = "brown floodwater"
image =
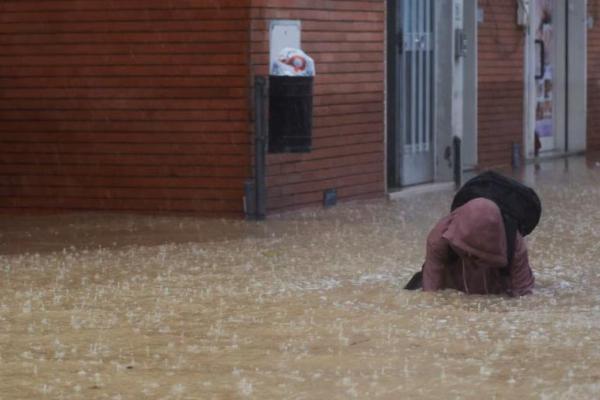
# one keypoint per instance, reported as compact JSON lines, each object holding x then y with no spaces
{"x":308,"y":305}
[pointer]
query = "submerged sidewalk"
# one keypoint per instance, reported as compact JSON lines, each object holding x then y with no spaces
{"x":307,"y":305}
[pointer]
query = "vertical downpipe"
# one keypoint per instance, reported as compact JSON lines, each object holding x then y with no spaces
{"x":456,"y":143}
{"x":516,"y":155}
{"x":260,"y":141}
{"x":566,"y":79}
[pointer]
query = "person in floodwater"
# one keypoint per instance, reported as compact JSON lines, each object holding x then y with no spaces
{"x":466,"y":250}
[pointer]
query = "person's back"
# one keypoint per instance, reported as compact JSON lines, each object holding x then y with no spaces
{"x":467,"y":251}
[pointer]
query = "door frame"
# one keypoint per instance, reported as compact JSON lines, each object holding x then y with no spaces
{"x":447,"y":118}
{"x":571,"y":75}
{"x":395,"y":152}
{"x":470,"y":138}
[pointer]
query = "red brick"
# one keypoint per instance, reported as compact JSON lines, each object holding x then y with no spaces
{"x":124,"y":106}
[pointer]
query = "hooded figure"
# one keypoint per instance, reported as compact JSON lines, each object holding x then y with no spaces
{"x":466,"y":251}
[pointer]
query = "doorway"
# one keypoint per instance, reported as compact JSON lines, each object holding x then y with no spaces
{"x":412,"y":142}
{"x":555,"y":78}
{"x":430,"y":73}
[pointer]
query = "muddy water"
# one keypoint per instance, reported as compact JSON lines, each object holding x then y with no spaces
{"x":306,"y":306}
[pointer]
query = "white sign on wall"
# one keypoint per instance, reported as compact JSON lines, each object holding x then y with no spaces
{"x":282,"y":34}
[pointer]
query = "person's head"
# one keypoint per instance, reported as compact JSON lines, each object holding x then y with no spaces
{"x":476,"y":232}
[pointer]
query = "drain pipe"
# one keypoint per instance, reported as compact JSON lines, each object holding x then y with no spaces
{"x":456,"y":143}
{"x":516,"y":155}
{"x":260,"y":147}
{"x":567,"y":62}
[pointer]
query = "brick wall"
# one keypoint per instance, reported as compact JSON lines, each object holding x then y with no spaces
{"x":346,"y":40}
{"x":124,"y":105}
{"x":593,"y":70}
{"x":500,"y":91}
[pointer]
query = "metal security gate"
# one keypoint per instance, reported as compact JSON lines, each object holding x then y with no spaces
{"x":415,"y":91}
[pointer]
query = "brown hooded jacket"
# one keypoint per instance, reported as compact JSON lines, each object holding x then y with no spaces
{"x":466,"y":251}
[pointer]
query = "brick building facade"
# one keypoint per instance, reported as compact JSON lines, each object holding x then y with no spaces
{"x":500,"y":83}
{"x":147,"y":106}
{"x":124,"y":106}
{"x":347,"y":41}
{"x":593,"y":77}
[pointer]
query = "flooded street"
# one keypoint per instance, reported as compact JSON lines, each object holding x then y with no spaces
{"x":308,"y":305}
